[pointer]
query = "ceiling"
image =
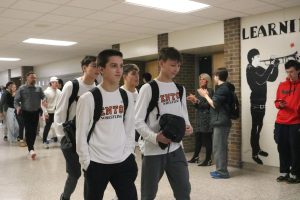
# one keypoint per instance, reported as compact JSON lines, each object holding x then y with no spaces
{"x":97,"y":24}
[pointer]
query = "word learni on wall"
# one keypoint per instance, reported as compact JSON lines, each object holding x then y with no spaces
{"x":285,"y":27}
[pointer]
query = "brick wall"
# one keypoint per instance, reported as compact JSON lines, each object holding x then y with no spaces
{"x":232,"y":60}
{"x":162,"y":40}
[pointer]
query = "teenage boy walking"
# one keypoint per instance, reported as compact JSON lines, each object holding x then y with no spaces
{"x":156,"y":160}
{"x":86,"y":83}
{"x":108,"y":156}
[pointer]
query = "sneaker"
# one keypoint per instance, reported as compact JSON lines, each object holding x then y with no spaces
{"x":5,"y":138}
{"x":217,"y":175}
{"x":263,"y":153}
{"x":257,"y":160}
{"x":22,"y":143}
{"x":32,"y":154}
{"x":293,"y":180}
{"x":54,"y":139}
{"x":283,"y":178}
{"x":46,"y":145}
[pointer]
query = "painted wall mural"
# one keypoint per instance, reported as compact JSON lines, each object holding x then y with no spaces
{"x":268,"y":41}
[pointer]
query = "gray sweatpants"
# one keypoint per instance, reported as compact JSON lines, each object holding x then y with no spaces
{"x":176,"y":168}
{"x":220,"y":149}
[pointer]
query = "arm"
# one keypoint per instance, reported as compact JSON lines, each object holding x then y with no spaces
{"x":274,"y":73}
{"x":128,"y":125}
{"x":279,"y":102}
{"x":189,"y":128}
{"x":3,"y":101}
{"x":60,"y":115}
{"x":44,"y":106}
{"x":263,"y":76}
{"x":84,"y":119}
{"x":17,"y":100}
{"x":141,"y":106}
{"x":204,"y":93}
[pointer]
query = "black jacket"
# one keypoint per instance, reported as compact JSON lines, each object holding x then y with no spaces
{"x":221,"y":99}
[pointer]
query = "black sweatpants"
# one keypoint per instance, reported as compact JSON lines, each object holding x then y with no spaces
{"x":49,"y":122}
{"x":31,"y":120}
{"x":287,"y":138}
{"x":121,"y":176}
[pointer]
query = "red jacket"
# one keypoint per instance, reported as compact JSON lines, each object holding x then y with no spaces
{"x":289,"y":92}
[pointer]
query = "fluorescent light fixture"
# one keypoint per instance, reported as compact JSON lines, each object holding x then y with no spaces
{"x":179,"y":6}
{"x":9,"y":59}
{"x":49,"y":42}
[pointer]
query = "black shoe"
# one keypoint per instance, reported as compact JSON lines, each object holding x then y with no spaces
{"x":18,"y":139}
{"x":194,"y":160}
{"x":5,"y":138}
{"x":62,"y":197}
{"x":283,"y":178}
{"x":257,"y":160}
{"x":205,"y":163}
{"x":54,"y":139}
{"x":263,"y":153}
{"x":293,"y":180}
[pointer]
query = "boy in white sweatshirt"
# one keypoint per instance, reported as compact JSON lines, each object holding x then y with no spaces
{"x":51,"y":93}
{"x":86,"y":83}
{"x":109,"y":155}
{"x":171,"y":160}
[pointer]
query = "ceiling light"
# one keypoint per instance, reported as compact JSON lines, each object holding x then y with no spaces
{"x":179,"y":6}
{"x":49,"y":42}
{"x":9,"y":59}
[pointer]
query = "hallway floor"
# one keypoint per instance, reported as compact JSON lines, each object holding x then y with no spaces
{"x":43,"y":179}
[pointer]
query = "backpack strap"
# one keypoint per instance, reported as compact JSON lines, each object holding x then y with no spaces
{"x":180,"y":88}
{"x":98,"y":101}
{"x":125,"y":101}
{"x":154,"y":99}
{"x":73,"y":96}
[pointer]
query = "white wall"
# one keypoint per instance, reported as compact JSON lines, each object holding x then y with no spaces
{"x":139,"y":48}
{"x":268,"y":46}
{"x":202,"y":36}
{"x":59,"y":68}
{"x":3,"y":77}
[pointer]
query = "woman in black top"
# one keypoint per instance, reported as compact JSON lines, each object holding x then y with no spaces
{"x":203,"y":129}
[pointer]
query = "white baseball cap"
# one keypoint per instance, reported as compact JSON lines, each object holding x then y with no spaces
{"x":53,"y":79}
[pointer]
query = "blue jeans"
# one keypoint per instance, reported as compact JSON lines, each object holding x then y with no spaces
{"x":220,"y":149}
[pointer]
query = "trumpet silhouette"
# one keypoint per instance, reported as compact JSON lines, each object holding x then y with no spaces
{"x":282,"y":59}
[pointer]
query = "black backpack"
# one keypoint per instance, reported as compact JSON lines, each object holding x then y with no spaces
{"x":234,"y":105}
{"x":155,"y":97}
{"x":70,"y":125}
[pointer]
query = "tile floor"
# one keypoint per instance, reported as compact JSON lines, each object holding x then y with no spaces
{"x":43,"y":179}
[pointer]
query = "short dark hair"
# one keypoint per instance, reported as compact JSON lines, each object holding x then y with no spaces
{"x":169,"y":53}
{"x":87,"y":60}
{"x":222,"y":73}
{"x":9,"y":83}
{"x":251,"y":54}
{"x":292,"y":63}
{"x":29,"y":73}
{"x":60,"y":81}
{"x":129,"y":68}
{"x":104,"y":55}
{"x":147,"y":76}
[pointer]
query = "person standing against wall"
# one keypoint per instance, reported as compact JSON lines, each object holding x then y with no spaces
{"x":28,"y":103}
{"x":220,"y":120}
{"x":287,"y":125}
{"x":203,"y":130}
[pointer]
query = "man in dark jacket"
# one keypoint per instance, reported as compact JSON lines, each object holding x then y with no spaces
{"x":220,"y":120}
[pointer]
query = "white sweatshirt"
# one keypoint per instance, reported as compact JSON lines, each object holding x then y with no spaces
{"x":169,"y":102}
{"x":51,"y":97}
{"x":112,"y":140}
{"x":60,"y":115}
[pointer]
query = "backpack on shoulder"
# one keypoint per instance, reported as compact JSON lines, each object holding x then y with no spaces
{"x":69,"y":126}
{"x":234,"y":105}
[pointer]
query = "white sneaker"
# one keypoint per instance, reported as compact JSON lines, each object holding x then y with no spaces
{"x":46,"y":145}
{"x":32,"y":155}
